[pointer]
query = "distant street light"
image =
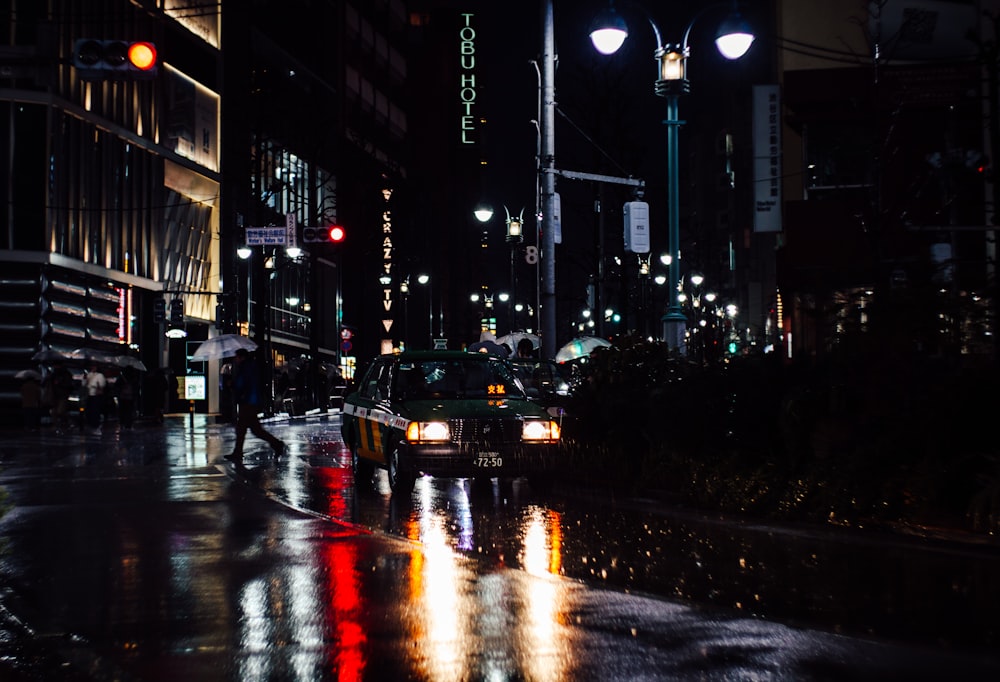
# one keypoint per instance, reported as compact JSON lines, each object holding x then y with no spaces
{"x":404,"y":292}
{"x":734,"y":38}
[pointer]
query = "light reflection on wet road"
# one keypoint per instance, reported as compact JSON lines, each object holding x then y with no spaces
{"x":139,"y":549}
{"x":868,"y":584}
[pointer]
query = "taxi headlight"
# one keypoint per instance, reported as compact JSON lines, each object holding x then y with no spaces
{"x":540,"y":431}
{"x":422,"y":432}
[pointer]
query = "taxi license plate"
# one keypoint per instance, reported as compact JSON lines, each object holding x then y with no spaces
{"x":487,"y":461}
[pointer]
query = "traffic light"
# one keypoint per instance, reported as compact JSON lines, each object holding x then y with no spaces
{"x":331,"y":234}
{"x":114,"y":59}
{"x":159,"y":310}
{"x":225,"y":312}
{"x":177,"y":311}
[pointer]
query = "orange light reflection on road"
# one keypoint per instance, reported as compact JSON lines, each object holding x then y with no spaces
{"x":456,"y":611}
{"x":555,"y":542}
{"x":442,"y":621}
{"x":543,"y":624}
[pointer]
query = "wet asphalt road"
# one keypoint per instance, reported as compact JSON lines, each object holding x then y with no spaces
{"x":138,"y":555}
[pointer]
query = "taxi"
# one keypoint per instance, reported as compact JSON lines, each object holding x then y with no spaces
{"x":447,"y":413}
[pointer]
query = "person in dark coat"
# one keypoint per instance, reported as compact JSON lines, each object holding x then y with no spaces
{"x":248,"y":395}
{"x":125,"y":390}
{"x":62,"y":384}
{"x":95,"y":384}
{"x":31,"y":403}
{"x":158,"y":384}
{"x":525,"y":349}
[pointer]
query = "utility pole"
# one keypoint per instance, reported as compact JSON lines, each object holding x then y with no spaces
{"x":547,"y":161}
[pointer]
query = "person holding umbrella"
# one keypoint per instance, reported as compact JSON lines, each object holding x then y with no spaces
{"x":247,"y":393}
{"x":95,"y":382}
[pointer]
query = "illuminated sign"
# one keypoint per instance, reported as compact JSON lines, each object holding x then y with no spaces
{"x":123,"y":315}
{"x":467,"y":78}
{"x":386,"y":277}
{"x":194,"y":387}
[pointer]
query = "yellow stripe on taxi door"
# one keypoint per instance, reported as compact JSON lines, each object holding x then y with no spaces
{"x":371,"y":438}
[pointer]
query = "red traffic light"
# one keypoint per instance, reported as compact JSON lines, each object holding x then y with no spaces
{"x":114,"y":59}
{"x":142,"y":56}
{"x":329,"y":234}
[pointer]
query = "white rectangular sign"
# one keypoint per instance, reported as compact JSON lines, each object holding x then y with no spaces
{"x":290,"y":235}
{"x":767,"y":158}
{"x":636,"y":226}
{"x":556,"y":218}
{"x":267,"y":236}
{"x":194,"y":387}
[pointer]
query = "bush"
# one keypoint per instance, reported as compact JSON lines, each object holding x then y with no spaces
{"x":856,"y":439}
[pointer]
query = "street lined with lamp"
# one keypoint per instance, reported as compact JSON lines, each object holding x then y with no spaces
{"x":733,"y":40}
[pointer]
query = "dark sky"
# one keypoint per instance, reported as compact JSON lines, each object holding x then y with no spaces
{"x":609,"y":119}
{"x":609,"y":122}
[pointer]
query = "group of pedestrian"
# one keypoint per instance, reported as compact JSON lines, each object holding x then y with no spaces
{"x":488,"y":344}
{"x":100,"y":397}
{"x":55,"y":392}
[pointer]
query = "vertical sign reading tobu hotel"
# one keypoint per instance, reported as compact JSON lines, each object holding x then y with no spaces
{"x":767,"y":158}
{"x":467,"y":79}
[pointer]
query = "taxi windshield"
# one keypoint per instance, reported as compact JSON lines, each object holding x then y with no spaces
{"x":461,"y":379}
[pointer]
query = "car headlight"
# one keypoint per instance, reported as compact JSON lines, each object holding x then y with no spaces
{"x":540,"y":431}
{"x":422,"y":432}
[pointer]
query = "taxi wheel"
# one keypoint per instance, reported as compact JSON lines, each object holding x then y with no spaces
{"x":360,"y":467}
{"x":399,"y":481}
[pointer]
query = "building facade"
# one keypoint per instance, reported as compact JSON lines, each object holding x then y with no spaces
{"x":890,"y":114}
{"x":123,"y":191}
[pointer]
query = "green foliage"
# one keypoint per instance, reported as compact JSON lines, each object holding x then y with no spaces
{"x":862,"y":437}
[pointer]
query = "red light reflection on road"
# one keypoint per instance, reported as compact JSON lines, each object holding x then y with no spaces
{"x":334,"y":480}
{"x":346,"y":609}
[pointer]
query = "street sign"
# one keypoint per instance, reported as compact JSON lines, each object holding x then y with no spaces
{"x":636,"y":216}
{"x":290,"y":235}
{"x":266,"y":236}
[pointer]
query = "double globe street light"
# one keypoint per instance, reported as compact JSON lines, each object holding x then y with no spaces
{"x":733,"y":38}
{"x":514,"y":238}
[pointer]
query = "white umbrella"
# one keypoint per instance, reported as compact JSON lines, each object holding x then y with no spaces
{"x":49,"y":355}
{"x":28,"y":374}
{"x":513,"y":339}
{"x":92,"y":355}
{"x":224,"y":346}
{"x":130,"y":361}
{"x":580,"y":347}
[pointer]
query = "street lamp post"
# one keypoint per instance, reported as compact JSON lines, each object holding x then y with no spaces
{"x":733,"y":40}
{"x":515,"y":236}
{"x":404,"y":292}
